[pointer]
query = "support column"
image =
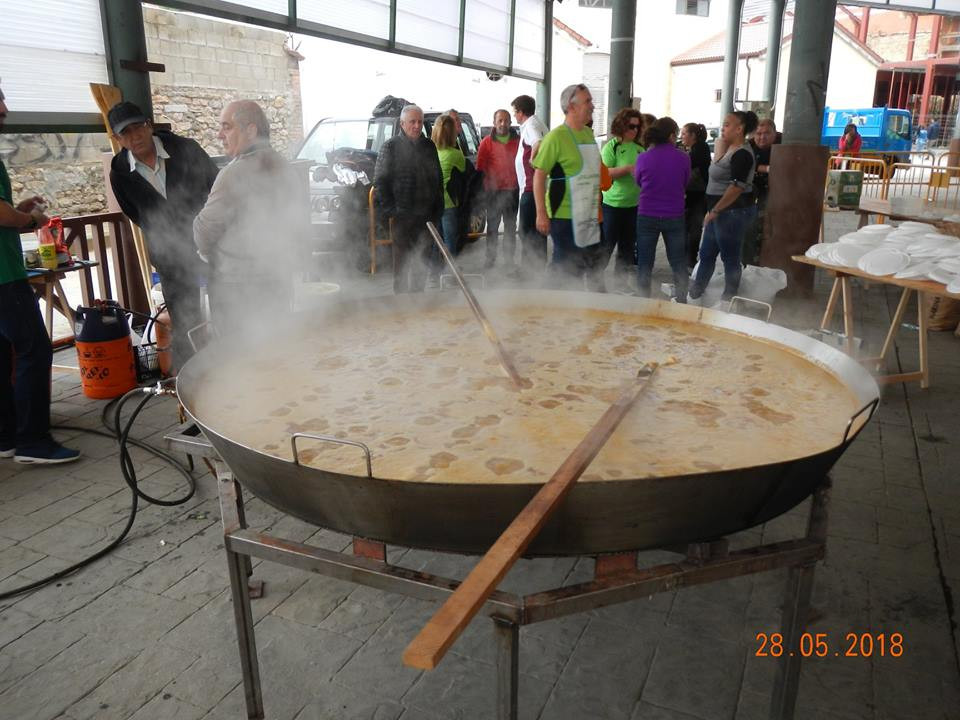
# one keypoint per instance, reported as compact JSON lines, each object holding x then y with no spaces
{"x":864,"y":26}
{"x":798,"y":168}
{"x":731,"y":59}
{"x":912,"y":37}
{"x":927,"y":90}
{"x":622,"y":32}
{"x":125,"y":40}
{"x":774,"y":41}
{"x":544,"y":88}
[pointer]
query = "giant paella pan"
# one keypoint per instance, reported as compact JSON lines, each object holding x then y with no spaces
{"x":390,"y":419}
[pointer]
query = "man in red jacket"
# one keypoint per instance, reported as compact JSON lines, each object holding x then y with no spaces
{"x":495,"y":159}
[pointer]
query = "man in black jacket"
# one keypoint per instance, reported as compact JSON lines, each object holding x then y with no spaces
{"x":410,"y":184}
{"x":161,"y":182}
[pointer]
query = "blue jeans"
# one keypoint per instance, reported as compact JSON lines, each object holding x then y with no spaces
{"x":569,"y":263}
{"x":723,"y":236}
{"x":450,"y":229}
{"x":24,"y":404}
{"x":649,"y":230}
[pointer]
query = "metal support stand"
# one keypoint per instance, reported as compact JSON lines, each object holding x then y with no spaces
{"x":618,"y":580}
{"x":231,"y":505}
{"x":508,"y":668}
{"x":796,"y":606}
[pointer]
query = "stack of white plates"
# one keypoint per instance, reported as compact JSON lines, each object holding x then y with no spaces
{"x":950,"y":264}
{"x":916,"y":270}
{"x":883,"y":261}
{"x":816,"y":251}
{"x":848,"y":255}
{"x":938,"y":274}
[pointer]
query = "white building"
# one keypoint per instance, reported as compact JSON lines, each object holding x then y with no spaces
{"x":696,"y":75}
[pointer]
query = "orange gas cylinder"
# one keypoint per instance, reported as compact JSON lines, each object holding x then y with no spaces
{"x":104,"y":351}
{"x":164,"y":335}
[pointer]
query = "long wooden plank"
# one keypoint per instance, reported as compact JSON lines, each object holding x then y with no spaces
{"x":436,"y":637}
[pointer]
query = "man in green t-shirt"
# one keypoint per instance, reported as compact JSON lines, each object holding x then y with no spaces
{"x":25,"y":403}
{"x":566,"y":189}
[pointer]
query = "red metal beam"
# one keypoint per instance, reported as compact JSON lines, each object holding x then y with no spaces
{"x":934,"y":50}
{"x":925,"y":96}
{"x":864,"y":26}
{"x":912,"y":38}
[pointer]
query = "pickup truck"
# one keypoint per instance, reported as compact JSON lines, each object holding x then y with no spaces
{"x":342,"y":153}
{"x":884,"y":130}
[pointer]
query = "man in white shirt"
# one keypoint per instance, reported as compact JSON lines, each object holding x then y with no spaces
{"x":533,"y":245}
{"x":161,"y":181}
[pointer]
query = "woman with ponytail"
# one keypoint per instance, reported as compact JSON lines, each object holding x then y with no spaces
{"x":730,"y":204}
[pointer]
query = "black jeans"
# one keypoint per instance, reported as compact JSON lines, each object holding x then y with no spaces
{"x":620,"y":234}
{"x":181,"y":293}
{"x":24,"y":405}
{"x":412,"y":253}
{"x":693,"y":214}
{"x":533,"y":245}
{"x":502,"y":204}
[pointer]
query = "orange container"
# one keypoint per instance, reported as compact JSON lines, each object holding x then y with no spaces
{"x":104,"y":351}
{"x":107,"y":368}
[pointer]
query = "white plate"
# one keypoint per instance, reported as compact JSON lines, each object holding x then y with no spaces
{"x":954,"y":286}
{"x":911,"y":225}
{"x":817,"y":251}
{"x":851,"y":238}
{"x":949,"y":264}
{"x":883,"y":261}
{"x":949,"y":251}
{"x":916,"y":270}
{"x":882,"y":228}
{"x":848,"y":255}
{"x":942,"y":276}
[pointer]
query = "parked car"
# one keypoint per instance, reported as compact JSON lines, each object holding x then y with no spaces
{"x":328,"y":140}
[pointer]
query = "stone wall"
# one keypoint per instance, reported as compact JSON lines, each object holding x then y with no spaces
{"x":208,"y":64}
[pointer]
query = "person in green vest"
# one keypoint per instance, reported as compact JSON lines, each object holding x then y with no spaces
{"x":24,"y":402}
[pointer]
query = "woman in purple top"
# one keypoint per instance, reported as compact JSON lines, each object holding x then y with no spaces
{"x":662,"y":173}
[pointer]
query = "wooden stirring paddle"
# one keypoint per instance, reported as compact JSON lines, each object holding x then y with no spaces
{"x":440,"y":632}
{"x":505,"y":362}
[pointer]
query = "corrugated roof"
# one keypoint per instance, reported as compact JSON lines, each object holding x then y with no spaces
{"x":753,"y":43}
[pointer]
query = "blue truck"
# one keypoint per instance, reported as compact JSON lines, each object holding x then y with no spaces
{"x":884,"y":130}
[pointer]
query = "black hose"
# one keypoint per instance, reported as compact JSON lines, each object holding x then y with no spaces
{"x":122,"y":436}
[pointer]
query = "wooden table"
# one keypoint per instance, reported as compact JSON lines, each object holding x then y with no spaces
{"x":46,"y":285}
{"x":923,"y":288}
{"x":905,"y":208}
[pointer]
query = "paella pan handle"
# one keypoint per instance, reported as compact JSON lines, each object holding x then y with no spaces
{"x":198,"y":328}
{"x":871,"y":406}
{"x":746,"y":300}
{"x":329,"y":438}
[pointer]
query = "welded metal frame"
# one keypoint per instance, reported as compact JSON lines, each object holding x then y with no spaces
{"x":615,"y":582}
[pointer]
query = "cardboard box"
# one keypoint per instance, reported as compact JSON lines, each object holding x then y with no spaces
{"x":844,"y":188}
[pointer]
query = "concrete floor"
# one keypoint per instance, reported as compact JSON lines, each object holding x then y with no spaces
{"x":147,"y":633}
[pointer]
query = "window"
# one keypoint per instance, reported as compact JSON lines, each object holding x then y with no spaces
{"x":700,"y":8}
{"x":717,"y":95}
{"x":330,"y":135}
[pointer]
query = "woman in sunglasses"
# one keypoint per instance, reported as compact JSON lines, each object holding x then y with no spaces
{"x":619,"y":208}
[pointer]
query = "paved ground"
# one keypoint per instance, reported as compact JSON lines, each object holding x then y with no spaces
{"x":147,"y":633}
